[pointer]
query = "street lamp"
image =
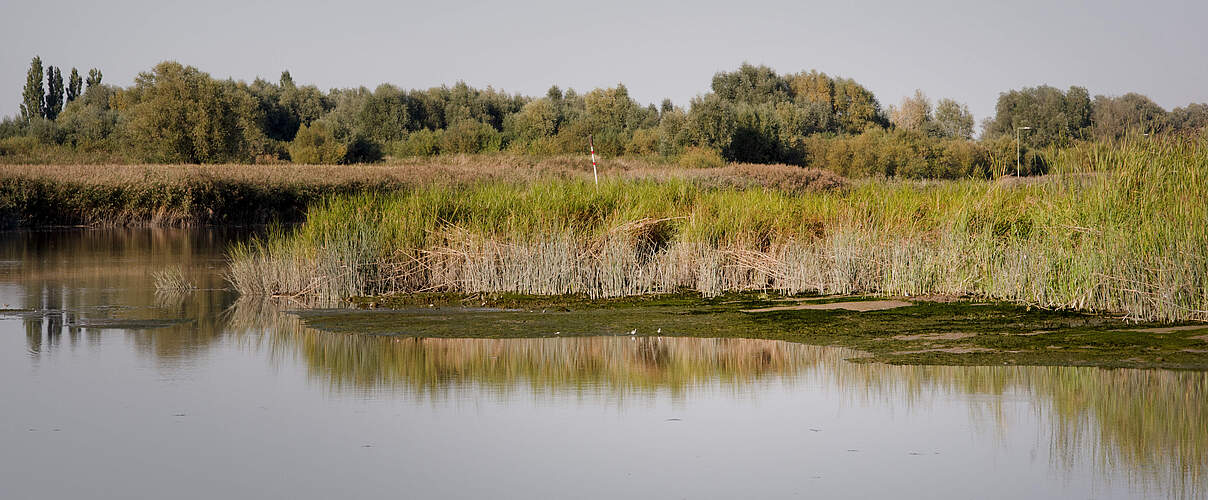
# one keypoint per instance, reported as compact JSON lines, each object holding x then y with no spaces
{"x":1017,"y":129}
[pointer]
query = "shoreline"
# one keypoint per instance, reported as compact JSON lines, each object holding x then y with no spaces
{"x":966,"y":332}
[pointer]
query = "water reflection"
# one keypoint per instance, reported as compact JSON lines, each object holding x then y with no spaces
{"x":1143,"y":425}
{"x":80,"y":283}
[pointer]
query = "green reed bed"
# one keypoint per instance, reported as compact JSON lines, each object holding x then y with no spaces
{"x":1126,"y":233}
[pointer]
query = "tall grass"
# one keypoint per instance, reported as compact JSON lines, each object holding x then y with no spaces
{"x":1123,"y":233}
{"x":172,"y":279}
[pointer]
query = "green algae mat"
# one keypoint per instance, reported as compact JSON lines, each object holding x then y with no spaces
{"x":927,"y":331}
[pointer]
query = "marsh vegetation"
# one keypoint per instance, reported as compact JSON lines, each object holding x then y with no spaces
{"x":1118,"y":230}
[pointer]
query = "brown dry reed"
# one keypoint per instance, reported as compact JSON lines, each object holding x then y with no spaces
{"x":33,"y":195}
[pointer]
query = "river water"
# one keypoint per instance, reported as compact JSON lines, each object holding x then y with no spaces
{"x":112,"y":390}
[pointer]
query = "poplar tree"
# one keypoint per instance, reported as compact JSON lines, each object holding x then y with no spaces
{"x":54,"y":93}
{"x":31,"y":105}
{"x":74,"y":85}
{"x":94,"y":78}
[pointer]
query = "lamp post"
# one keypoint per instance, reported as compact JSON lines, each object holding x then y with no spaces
{"x":1017,"y":129}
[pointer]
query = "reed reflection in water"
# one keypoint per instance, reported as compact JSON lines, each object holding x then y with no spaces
{"x":1146,"y":426}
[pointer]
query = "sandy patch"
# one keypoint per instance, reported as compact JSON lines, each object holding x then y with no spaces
{"x":859,"y":306}
{"x":936,"y":336}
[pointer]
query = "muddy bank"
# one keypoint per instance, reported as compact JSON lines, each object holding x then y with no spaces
{"x":915,"y":332}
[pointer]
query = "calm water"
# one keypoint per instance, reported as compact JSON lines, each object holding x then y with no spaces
{"x":112,"y":391}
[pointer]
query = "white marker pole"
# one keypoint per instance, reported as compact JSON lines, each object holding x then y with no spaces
{"x":591,"y":142}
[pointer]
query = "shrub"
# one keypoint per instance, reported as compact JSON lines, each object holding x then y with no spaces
{"x":469,"y":136}
{"x":900,"y":153}
{"x":572,"y":138}
{"x":1001,"y":155}
{"x":21,"y":144}
{"x":701,"y":157}
{"x":11,"y":127}
{"x":644,"y":142}
{"x":88,"y":126}
{"x":316,"y":145}
{"x":46,"y":131}
{"x":362,"y":150}
{"x":422,"y":142}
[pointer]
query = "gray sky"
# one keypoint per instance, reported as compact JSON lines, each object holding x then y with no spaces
{"x":966,"y":50}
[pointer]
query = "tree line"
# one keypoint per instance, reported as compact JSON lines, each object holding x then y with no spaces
{"x":178,"y":114}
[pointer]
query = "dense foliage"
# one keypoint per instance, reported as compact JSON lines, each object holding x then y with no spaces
{"x":179,"y":114}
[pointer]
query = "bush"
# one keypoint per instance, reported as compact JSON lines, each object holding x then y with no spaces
{"x":470,"y":137}
{"x":1001,"y":153}
{"x":46,"y":131}
{"x":11,"y":127}
{"x":701,"y":157}
{"x":644,"y":142}
{"x":572,"y":138}
{"x":89,"y":126}
{"x":21,"y":144}
{"x":899,"y":153}
{"x":422,"y":142}
{"x":316,"y":145}
{"x":362,"y":150}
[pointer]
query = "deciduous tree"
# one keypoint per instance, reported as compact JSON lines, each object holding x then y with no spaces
{"x":914,"y":113}
{"x":94,"y":78}
{"x":33,"y":95}
{"x":179,"y":114}
{"x":1115,"y":116}
{"x":954,"y":119}
{"x":1055,"y":117}
{"x":54,"y":93}
{"x":75,"y":86}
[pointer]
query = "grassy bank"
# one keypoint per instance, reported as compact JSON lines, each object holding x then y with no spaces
{"x":1122,"y":229}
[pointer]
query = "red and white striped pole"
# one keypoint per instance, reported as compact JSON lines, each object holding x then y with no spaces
{"x":591,"y":142}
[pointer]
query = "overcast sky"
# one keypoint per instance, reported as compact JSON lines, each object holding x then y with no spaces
{"x":966,"y":50}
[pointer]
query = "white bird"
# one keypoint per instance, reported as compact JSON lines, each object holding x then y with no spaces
{"x":557,"y":333}
{"x":634,"y":331}
{"x":660,"y":330}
